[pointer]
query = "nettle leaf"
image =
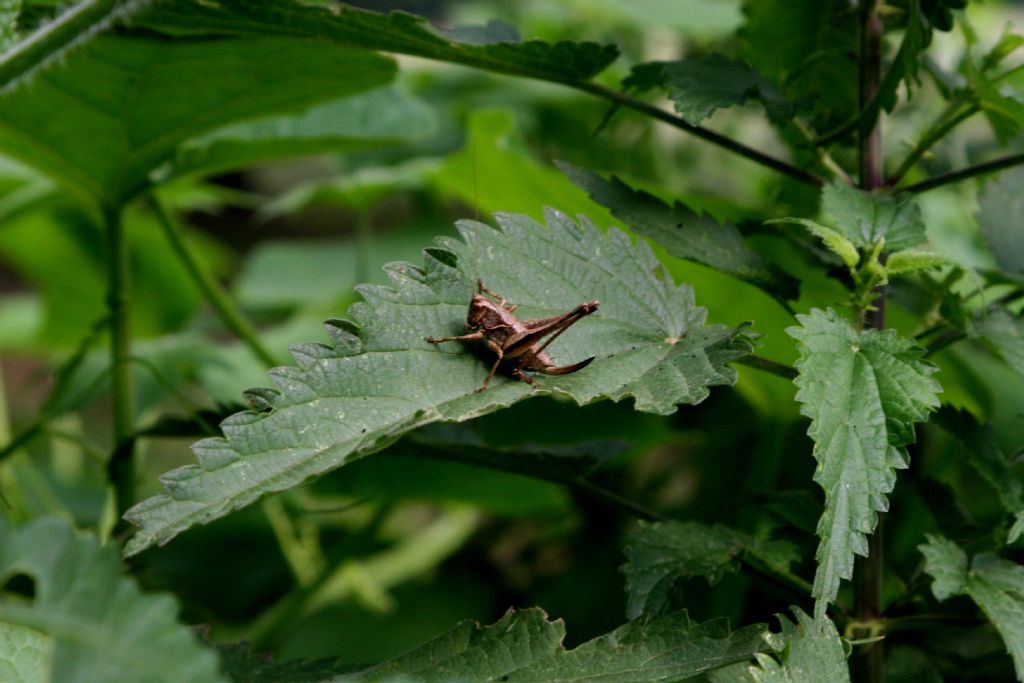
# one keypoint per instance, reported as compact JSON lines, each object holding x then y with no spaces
{"x":525,"y":647}
{"x":685,"y":234}
{"x":381,"y":378}
{"x":698,"y":86}
{"x":913,"y":261}
{"x":994,"y":584}
{"x":1001,"y":205}
{"x":863,"y":392}
{"x":97,"y":626}
{"x":103,"y":113}
{"x":400,"y":32}
{"x":807,"y":651}
{"x":659,"y":555}
{"x":1003,"y":331}
{"x":865,"y":218}
{"x":834,"y":240}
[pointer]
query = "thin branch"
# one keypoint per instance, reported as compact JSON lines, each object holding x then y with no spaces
{"x":121,"y":468}
{"x":943,"y":125}
{"x":869,"y":660}
{"x":965,"y":173}
{"x":702,"y":133}
{"x":769,"y":366}
{"x":229,"y":314}
{"x":53,"y":40}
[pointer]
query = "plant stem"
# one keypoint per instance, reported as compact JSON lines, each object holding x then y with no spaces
{"x":702,"y":133}
{"x":230,"y":316}
{"x":770,"y":366}
{"x":964,"y":173}
{"x":938,"y":130}
{"x":121,"y":467}
{"x":56,"y":37}
{"x":868,"y":664}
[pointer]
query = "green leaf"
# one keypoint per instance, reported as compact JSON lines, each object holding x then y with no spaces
{"x":700,"y":85}
{"x":863,"y":392}
{"x":116,"y":105}
{"x":1004,"y":333}
{"x":525,"y":647}
{"x":833,"y":239}
{"x":384,"y":116}
{"x":381,"y":378}
{"x":1005,"y":113}
{"x":1001,"y":205}
{"x":564,"y":61}
{"x":24,"y":653}
{"x":808,"y":651}
{"x":994,"y":584}
{"x":985,"y":456}
{"x":810,"y":47}
{"x":865,"y":218}
{"x":495,"y":151}
{"x":913,"y":261}
{"x":101,"y":627}
{"x":685,"y":234}
{"x":661,"y":554}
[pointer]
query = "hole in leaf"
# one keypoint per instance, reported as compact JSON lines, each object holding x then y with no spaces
{"x":21,"y":586}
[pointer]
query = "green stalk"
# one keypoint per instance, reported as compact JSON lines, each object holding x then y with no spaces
{"x":121,"y":467}
{"x":965,"y":173}
{"x":869,"y":659}
{"x":714,"y":138}
{"x":60,"y":35}
{"x":229,"y":314}
{"x":938,"y":130}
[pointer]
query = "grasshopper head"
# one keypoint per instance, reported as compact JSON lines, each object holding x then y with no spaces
{"x":479,"y":305}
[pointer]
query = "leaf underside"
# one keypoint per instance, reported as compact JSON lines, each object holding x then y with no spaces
{"x":865,"y":218}
{"x":381,"y":379}
{"x":863,"y":392}
{"x":399,"y":32}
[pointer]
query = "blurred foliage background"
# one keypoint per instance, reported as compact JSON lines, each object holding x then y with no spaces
{"x":399,"y":547}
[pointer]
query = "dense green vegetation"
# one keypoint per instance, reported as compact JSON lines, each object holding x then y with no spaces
{"x":793,"y":457}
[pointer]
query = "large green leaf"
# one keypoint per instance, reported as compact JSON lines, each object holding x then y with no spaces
{"x":863,"y":392}
{"x":525,"y":647}
{"x":995,"y":584}
{"x":384,"y":116}
{"x":1001,"y":206}
{"x":381,"y":378}
{"x":684,"y":233}
{"x":660,"y":555}
{"x":399,"y":32}
{"x":103,"y":113}
{"x":98,"y":627}
{"x":809,"y":651}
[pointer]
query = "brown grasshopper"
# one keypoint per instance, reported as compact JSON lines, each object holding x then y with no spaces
{"x":509,"y":337}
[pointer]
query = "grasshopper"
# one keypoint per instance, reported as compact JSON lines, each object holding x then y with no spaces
{"x":509,"y":337}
